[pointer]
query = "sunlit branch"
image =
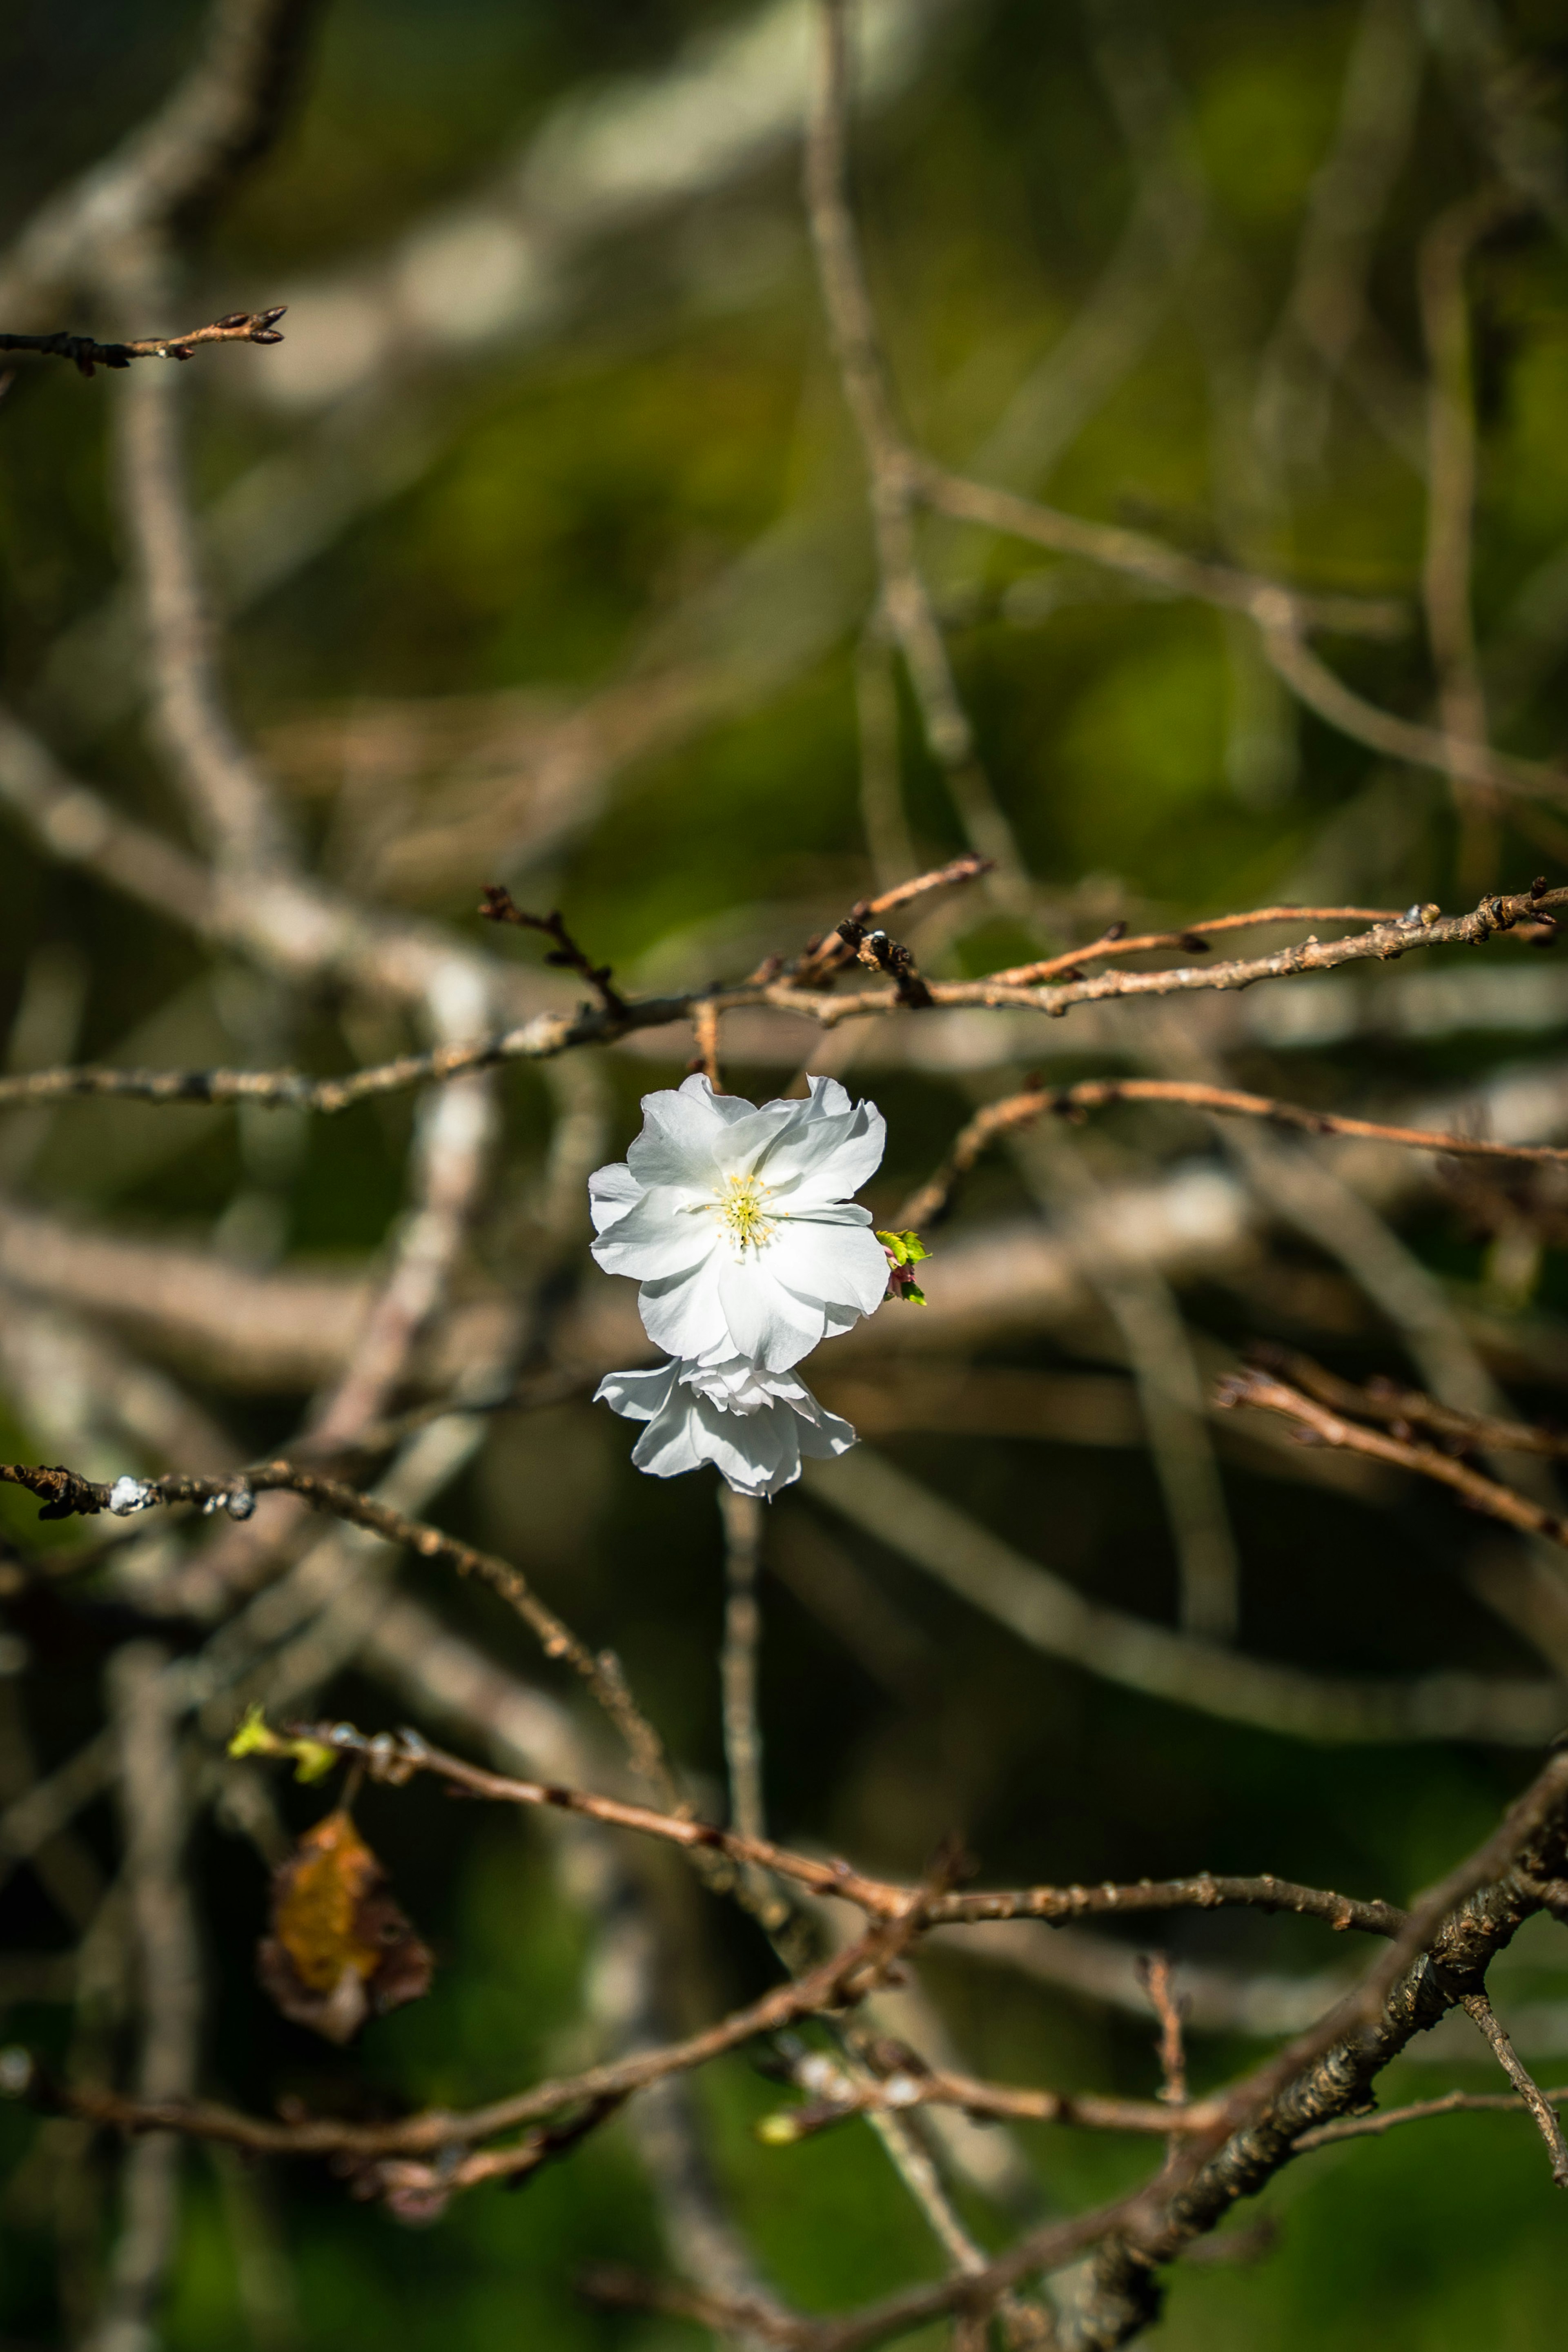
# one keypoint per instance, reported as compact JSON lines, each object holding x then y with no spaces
{"x":86,"y":355}
{"x":1323,"y":1427}
{"x":934,"y":1198}
{"x":550,"y":1034}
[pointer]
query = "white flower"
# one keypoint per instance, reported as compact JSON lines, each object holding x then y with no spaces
{"x":752,"y":1425}
{"x":737,"y":1221}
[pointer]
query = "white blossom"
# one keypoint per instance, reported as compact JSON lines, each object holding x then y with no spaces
{"x":128,"y":1494}
{"x":752,"y":1425}
{"x":738,"y":1225}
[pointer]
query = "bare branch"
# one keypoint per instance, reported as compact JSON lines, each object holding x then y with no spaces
{"x":1157,"y":1977}
{"x":85,"y":354}
{"x":1046,"y":1611}
{"x":550,"y":1034}
{"x":1405,"y":1409}
{"x":906,"y":605}
{"x":64,"y":1494}
{"x":1452,"y":2103}
{"x":1325,"y":1428}
{"x":154,"y":1810}
{"x":1141,"y":557}
{"x":395,"y":1759}
{"x":220,"y":118}
{"x":1479,"y":2009}
{"x":934,"y":1200}
{"x":840,"y":1981}
{"x":497,"y":907}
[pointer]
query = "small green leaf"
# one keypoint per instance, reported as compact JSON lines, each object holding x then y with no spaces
{"x":252,"y":1739}
{"x":905,"y":1249}
{"x":312,"y":1760}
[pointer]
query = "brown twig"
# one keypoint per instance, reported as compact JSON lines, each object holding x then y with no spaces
{"x":838,"y":948}
{"x":498,"y":906}
{"x":840,"y":1981}
{"x":1157,"y":1977}
{"x":1265,"y":1394}
{"x":86,"y":354}
{"x":64,"y":1494}
{"x":705,"y":1030}
{"x":1404,"y":1409}
{"x":1479,"y":2010}
{"x":393,"y":1757}
{"x":934,"y":1200}
{"x":1452,"y":2103}
{"x":550,"y":1034}
{"x":1192,"y":939}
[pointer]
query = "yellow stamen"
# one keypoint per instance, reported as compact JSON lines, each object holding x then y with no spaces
{"x":743,"y":1207}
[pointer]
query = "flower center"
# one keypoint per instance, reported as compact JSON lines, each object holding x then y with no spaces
{"x":743,"y":1207}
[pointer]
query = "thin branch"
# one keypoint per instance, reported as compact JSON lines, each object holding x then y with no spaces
{"x":1405,"y":1409}
{"x":1479,"y":2010}
{"x":86,"y":355}
{"x":1050,"y":1614}
{"x":395,"y":1757}
{"x":550,"y":1034}
{"x":838,"y":1982}
{"x":1140,"y":557}
{"x":228,"y":796}
{"x":170,"y":1977}
{"x":838,"y":948}
{"x":498,"y":906}
{"x":906,"y":607}
{"x":1452,"y":2103}
{"x":220,"y":118}
{"x":909,"y":2088}
{"x":65,"y":1494}
{"x":1323,"y":1427}
{"x":705,"y":1034}
{"x":1193,"y":939}
{"x":1157,"y":1978}
{"x":935,"y":1199}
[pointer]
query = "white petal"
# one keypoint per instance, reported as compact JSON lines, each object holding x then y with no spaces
{"x":683,"y":1311}
{"x":756,"y":1454}
{"x":822,"y":1434}
{"x":830,"y":1261}
{"x":611,"y":1190}
{"x":679,"y":1134}
{"x":637,"y":1396}
{"x":773,"y":1326}
{"x":828,"y":1158}
{"x":669,"y":1445}
{"x":659,"y":1234}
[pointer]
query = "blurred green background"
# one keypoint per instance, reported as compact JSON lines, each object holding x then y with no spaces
{"x":618,"y":481}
